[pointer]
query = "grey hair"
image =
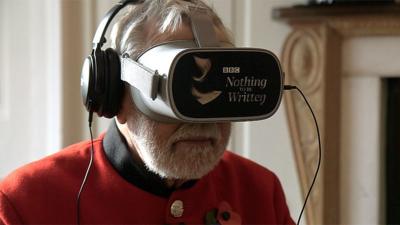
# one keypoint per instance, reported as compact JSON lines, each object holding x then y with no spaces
{"x":143,"y":24}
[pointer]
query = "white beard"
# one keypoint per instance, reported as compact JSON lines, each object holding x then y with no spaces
{"x":175,"y":161}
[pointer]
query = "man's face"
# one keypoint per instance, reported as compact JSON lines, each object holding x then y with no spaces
{"x":177,"y":151}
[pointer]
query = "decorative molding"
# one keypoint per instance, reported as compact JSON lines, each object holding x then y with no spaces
{"x":312,"y":61}
{"x":302,"y":54}
{"x":366,"y":26}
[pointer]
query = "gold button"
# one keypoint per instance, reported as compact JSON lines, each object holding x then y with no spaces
{"x":177,"y":208}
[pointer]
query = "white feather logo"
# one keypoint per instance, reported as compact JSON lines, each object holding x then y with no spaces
{"x":204,"y":66}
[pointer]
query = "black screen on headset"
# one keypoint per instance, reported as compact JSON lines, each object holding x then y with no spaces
{"x":226,"y":84}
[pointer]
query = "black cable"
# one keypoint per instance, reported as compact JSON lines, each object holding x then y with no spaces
{"x":87,"y":171}
{"x":290,"y":87}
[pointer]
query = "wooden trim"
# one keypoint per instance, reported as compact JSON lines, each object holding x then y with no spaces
{"x":74,"y":49}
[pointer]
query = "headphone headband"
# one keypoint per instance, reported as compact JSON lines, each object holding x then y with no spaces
{"x":101,"y":85}
{"x":99,"y":38}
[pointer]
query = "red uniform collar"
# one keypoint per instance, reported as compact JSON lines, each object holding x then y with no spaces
{"x":119,"y":155}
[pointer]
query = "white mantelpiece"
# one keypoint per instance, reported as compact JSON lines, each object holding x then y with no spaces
{"x":337,"y":55}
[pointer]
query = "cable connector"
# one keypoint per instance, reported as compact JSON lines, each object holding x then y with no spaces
{"x":289,"y":87}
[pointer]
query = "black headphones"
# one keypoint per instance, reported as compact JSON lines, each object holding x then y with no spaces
{"x":101,"y":85}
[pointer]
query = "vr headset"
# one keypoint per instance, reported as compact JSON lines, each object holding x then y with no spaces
{"x":201,"y":80}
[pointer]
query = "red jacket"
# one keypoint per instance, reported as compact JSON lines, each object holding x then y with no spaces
{"x":45,"y":192}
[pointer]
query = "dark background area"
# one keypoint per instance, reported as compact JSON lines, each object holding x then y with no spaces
{"x":393,"y":152}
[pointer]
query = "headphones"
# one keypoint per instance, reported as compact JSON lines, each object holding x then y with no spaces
{"x":101,"y":84}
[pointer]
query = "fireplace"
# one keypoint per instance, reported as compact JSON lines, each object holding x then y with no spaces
{"x":392,"y":148}
{"x":342,"y":57}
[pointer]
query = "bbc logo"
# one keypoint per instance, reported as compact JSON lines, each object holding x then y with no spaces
{"x":231,"y":70}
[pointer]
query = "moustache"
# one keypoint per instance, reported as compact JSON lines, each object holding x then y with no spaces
{"x":188,"y":131}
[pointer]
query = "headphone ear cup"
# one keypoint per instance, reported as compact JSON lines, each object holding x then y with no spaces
{"x":88,"y":79}
{"x":98,"y":58}
{"x":114,"y":87}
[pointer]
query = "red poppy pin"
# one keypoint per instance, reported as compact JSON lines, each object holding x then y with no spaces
{"x":224,"y":215}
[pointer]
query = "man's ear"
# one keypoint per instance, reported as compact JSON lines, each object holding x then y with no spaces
{"x":126,"y":107}
{"x":121,"y":117}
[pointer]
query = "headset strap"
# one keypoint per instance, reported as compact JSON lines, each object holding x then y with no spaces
{"x":142,"y":78}
{"x":203,"y":28}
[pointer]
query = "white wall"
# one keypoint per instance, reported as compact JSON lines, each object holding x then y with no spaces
{"x":29,"y":82}
{"x":361,"y":181}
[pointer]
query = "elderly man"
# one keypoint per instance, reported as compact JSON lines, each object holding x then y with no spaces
{"x":146,"y":171}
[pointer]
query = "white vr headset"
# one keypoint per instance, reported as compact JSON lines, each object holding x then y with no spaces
{"x":178,"y":81}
